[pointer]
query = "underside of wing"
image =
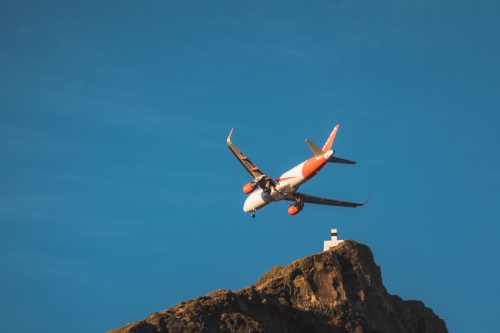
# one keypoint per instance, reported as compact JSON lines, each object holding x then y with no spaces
{"x":251,"y":168}
{"x":322,"y":201}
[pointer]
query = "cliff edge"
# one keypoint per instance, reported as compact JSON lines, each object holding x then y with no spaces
{"x":338,"y":291}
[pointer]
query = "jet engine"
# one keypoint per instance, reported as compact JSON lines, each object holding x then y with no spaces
{"x":249,"y":187}
{"x":295,"y":208}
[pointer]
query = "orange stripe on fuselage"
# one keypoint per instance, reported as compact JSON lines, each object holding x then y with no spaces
{"x":282,"y":179}
{"x":312,"y":166}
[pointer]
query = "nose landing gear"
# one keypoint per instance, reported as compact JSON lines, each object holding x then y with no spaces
{"x":252,"y":214}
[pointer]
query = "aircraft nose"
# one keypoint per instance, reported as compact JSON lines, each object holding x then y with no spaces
{"x":248,"y":205}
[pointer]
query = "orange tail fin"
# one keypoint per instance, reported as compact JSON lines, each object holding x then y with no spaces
{"x":331,"y":138}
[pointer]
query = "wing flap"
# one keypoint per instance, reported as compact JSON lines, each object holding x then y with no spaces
{"x":322,"y":201}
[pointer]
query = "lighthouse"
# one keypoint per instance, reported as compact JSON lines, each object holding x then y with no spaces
{"x":328,"y":244}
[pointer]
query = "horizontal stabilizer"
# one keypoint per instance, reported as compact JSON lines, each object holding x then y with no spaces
{"x":315,"y":149}
{"x":335,"y":159}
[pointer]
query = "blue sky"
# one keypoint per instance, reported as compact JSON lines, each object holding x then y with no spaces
{"x":118,"y":196}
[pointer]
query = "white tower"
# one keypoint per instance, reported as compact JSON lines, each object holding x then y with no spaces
{"x":328,"y":244}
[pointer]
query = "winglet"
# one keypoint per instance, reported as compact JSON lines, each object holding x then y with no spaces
{"x":229,"y":136}
{"x":367,"y":199}
{"x":331,"y":138}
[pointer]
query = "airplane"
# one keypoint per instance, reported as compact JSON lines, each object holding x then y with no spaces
{"x":263,"y":190}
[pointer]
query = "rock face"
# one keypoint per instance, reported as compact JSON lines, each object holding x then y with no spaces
{"x":338,"y":291}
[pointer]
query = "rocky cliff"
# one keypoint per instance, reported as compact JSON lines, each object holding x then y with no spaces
{"x":339,"y":290}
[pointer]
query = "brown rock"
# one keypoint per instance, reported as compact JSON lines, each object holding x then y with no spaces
{"x":339,"y":290}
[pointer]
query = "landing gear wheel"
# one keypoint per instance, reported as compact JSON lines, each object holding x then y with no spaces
{"x":252,"y":214}
{"x":299,"y":204}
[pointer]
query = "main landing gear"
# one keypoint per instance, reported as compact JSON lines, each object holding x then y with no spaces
{"x":299,"y":203}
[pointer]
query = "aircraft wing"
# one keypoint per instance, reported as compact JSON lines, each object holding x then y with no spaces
{"x":322,"y":201}
{"x":251,"y":168}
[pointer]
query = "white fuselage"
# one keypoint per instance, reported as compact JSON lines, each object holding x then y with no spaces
{"x":288,"y":183}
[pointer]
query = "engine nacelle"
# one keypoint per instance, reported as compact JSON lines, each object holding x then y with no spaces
{"x":294,"y":209}
{"x":249,"y":187}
